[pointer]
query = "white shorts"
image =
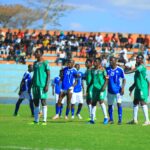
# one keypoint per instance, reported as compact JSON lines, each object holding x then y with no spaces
{"x":66,"y":91}
{"x":25,"y":95}
{"x":57,"y":97}
{"x":113,"y":97}
{"x":77,"y":98}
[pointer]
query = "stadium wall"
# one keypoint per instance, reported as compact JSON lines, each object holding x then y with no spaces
{"x":11,"y":75}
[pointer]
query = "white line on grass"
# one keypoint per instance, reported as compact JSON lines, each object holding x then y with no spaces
{"x":28,"y":148}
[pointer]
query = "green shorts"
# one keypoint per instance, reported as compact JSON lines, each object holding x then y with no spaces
{"x":38,"y":93}
{"x":141,"y":95}
{"x":97,"y":95}
{"x":89,"y":93}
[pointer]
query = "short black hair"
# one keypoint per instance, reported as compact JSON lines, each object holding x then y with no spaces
{"x":140,"y":55}
{"x":70,"y":60}
{"x":90,"y":60}
{"x":40,"y":50}
{"x":98,"y":59}
{"x":112,"y":57}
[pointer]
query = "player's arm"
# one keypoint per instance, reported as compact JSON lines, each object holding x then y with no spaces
{"x":83,"y":87}
{"x":131,"y":88}
{"x":22,"y":83}
{"x":123,"y":85}
{"x":123,"y":82}
{"x":47,"y":80}
{"x":20,"y":88}
{"x":148,"y":85}
{"x":131,"y":71}
{"x":106,"y":81}
{"x":75,"y":83}
{"x":90,"y":84}
{"x":53,"y":84}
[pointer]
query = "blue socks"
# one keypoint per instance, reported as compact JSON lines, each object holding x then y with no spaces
{"x":67,"y":111}
{"x":110,"y":112}
{"x":119,"y":113}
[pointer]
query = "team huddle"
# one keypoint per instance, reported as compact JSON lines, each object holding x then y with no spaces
{"x":101,"y":83}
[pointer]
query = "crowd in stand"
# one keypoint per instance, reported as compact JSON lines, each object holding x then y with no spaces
{"x":22,"y":44}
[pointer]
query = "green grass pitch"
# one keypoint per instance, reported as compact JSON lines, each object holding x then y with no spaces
{"x":17,"y":134}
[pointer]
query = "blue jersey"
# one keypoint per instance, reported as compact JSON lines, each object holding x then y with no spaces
{"x":114,"y":86}
{"x":78,"y":87}
{"x":68,"y":79}
{"x":26,"y":81}
{"x":57,"y":84}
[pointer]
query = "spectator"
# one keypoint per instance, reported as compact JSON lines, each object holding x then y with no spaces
{"x":130,"y":42}
{"x":114,"y":41}
{"x":8,"y":37}
{"x":139,"y":42}
{"x":106,"y":40}
{"x":61,"y":57}
{"x":99,"y":40}
{"x":146,"y":41}
{"x":123,"y":56}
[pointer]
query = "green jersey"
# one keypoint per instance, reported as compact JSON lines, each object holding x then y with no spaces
{"x":39,"y":73}
{"x":140,"y":78}
{"x":88,"y":76}
{"x":98,"y":78}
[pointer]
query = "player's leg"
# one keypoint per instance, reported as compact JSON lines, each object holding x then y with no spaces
{"x":119,"y":101}
{"x":61,"y":107}
{"x":79,"y":110}
{"x":72,"y":110}
{"x":145,"y":111}
{"x":56,"y":100}
{"x":89,"y":101}
{"x":44,"y":110}
{"x":31,"y":104}
{"x":36,"y":99}
{"x":135,"y":107}
{"x":69,"y":97}
{"x":36,"y":110}
{"x":93,"y":111}
{"x":110,"y":100}
{"x":143,"y":102}
{"x":58,"y":106}
{"x":135,"y":112}
{"x":102,"y":96}
{"x":80,"y":104}
{"x":73,"y":101}
{"x":17,"y":106}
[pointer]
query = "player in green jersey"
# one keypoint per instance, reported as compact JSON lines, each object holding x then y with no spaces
{"x":141,"y":86}
{"x":88,"y":78}
{"x":99,"y":82}
{"x":40,"y":85}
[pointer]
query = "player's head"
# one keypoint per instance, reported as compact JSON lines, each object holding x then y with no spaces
{"x":88,"y":63}
{"x":77,"y":66}
{"x":113,"y":61}
{"x":139,"y":59}
{"x":30,"y":68}
{"x":97,"y":62}
{"x":70,"y":63}
{"x":38,"y":53}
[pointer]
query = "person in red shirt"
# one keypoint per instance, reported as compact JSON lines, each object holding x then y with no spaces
{"x":107,"y":40}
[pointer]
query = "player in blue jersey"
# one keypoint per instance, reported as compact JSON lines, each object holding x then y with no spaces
{"x":77,"y":96}
{"x":24,"y":92}
{"x":68,"y":81}
{"x":56,"y":87}
{"x":115,"y":88}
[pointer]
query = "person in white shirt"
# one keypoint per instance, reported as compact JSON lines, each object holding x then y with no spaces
{"x":61,"y":57}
